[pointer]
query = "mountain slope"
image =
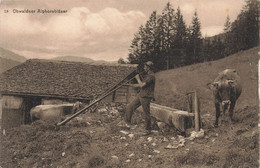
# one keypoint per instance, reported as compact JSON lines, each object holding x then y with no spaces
{"x":6,"y":64}
{"x":79,"y":59}
{"x":73,"y":59}
{"x":11,"y":55}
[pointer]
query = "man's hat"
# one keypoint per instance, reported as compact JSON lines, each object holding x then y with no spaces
{"x":149,"y":63}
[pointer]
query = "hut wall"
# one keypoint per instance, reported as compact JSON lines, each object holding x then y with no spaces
{"x":52,"y":101}
{"x":123,"y":95}
{"x":12,"y":113}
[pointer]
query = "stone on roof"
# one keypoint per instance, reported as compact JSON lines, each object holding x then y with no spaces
{"x":62,"y":78}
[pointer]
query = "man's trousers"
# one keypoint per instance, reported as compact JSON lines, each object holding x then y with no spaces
{"x":138,"y":101}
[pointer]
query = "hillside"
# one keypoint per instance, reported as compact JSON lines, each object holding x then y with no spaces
{"x":172,"y":85}
{"x":8,"y":59}
{"x":6,"y":64}
{"x":73,"y":59}
{"x":99,"y":139}
{"x":4,"y":53}
{"x":79,"y":59}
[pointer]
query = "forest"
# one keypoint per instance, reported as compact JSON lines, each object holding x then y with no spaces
{"x":169,"y":42}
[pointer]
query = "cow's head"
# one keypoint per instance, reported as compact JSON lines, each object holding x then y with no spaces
{"x":223,"y":91}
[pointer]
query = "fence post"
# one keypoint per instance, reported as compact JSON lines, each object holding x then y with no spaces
{"x":197,"y":112}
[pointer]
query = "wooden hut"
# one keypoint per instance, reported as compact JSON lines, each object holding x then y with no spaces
{"x":38,"y":82}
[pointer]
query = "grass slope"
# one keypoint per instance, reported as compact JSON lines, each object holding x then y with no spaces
{"x":172,"y":85}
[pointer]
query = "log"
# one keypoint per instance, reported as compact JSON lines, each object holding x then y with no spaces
{"x":181,"y":120}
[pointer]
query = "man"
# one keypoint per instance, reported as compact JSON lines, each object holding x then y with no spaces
{"x":144,"y":97}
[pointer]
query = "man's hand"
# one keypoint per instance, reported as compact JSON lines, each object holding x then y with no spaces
{"x":137,"y":77}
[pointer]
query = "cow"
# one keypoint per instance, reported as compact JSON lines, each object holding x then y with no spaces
{"x":226,"y":90}
{"x":53,"y":112}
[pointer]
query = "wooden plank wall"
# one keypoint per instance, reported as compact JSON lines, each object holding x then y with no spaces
{"x":12,"y":114}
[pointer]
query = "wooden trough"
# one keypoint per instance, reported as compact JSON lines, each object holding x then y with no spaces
{"x":180,"y":119}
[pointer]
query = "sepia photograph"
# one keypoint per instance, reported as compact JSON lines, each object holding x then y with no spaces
{"x":129,"y":83}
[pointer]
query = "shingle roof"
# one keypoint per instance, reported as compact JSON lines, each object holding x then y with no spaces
{"x":61,"y":78}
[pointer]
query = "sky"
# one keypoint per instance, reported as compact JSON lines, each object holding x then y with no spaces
{"x":96,"y":29}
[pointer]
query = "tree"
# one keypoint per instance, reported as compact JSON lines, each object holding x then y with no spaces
{"x":180,"y":39}
{"x":195,"y":42}
{"x":121,"y":61}
{"x":245,"y":29}
{"x":168,"y":27}
{"x":252,"y":23}
{"x":134,"y":51}
{"x":228,"y":40}
{"x":153,"y":41}
{"x":227,"y":26}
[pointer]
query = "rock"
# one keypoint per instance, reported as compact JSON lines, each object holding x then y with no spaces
{"x":149,"y":139}
{"x":154,"y":144}
{"x":172,"y":138}
{"x":181,"y":145}
{"x":165,"y":139}
{"x":192,"y":135}
{"x":124,"y":132}
{"x":170,"y":146}
{"x":123,"y":138}
{"x":253,"y":134}
{"x":200,"y":134}
{"x":156,"y":151}
{"x":128,"y":160}
{"x":63,"y":154}
{"x":115,"y":157}
{"x":102,"y":110}
{"x":131,"y":155}
{"x":161,"y":125}
{"x":149,"y":156}
{"x":180,"y":137}
{"x":182,"y":141}
{"x":155,"y":132}
{"x":131,"y":135}
{"x":139,"y":160}
{"x":133,"y":127}
{"x":195,"y":134}
{"x":114,"y":112}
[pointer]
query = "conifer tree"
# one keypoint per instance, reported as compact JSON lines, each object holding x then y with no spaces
{"x":195,"y":41}
{"x":227,"y":26}
{"x":168,"y":28}
{"x":180,"y":39}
